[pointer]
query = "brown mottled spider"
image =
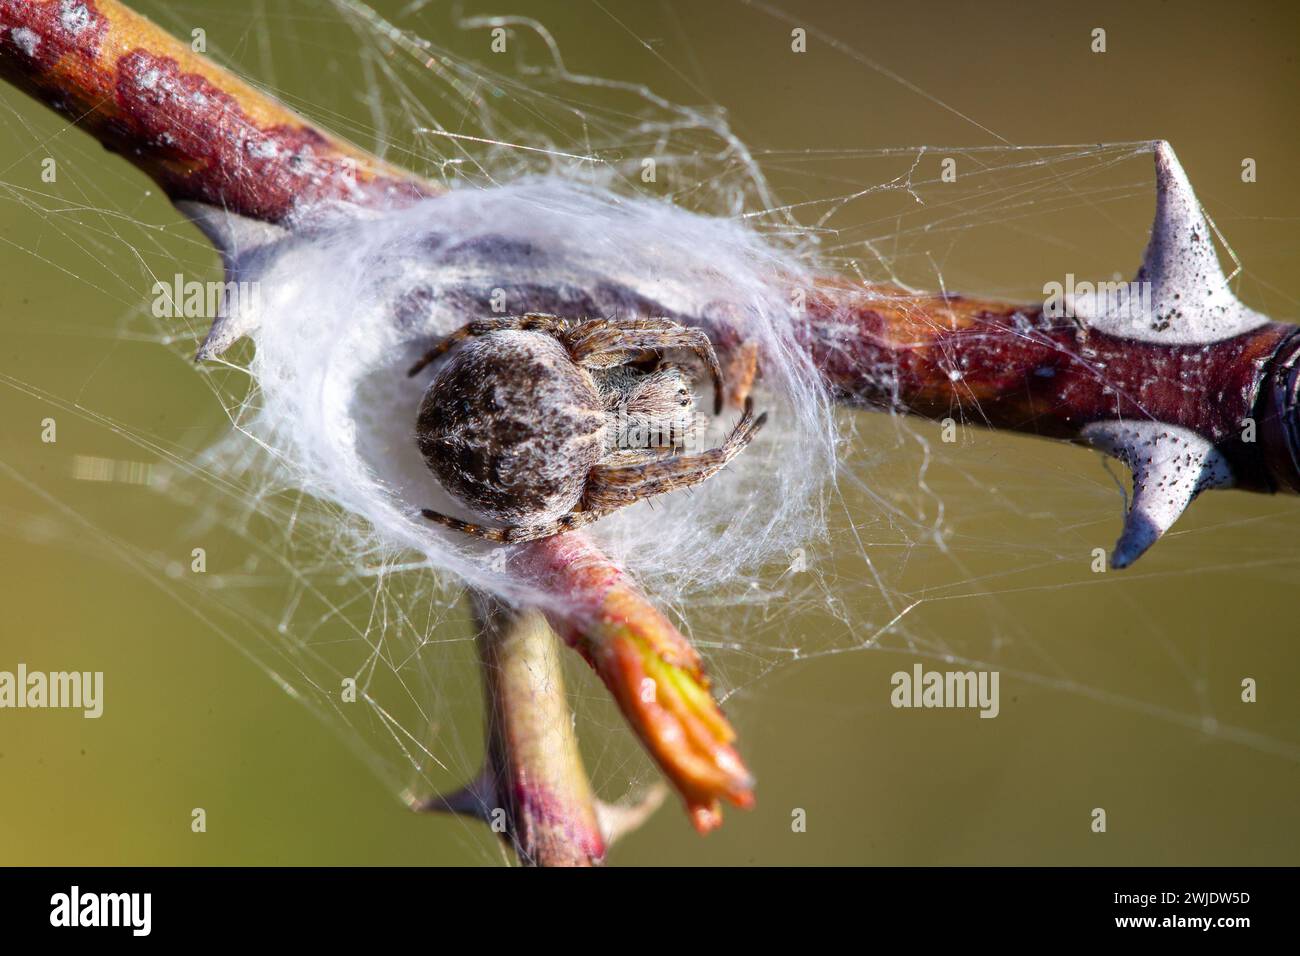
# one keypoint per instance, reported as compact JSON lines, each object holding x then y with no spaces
{"x":526,"y":423}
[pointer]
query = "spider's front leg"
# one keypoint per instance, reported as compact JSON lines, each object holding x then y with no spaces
{"x":609,"y":488}
{"x":532,"y":322}
{"x":604,"y":343}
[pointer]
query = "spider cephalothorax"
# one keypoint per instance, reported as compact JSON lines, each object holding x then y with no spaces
{"x":546,"y":425}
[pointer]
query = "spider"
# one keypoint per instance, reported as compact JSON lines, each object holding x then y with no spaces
{"x":526,"y":422}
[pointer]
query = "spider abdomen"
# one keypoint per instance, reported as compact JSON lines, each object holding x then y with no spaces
{"x":511,"y":426}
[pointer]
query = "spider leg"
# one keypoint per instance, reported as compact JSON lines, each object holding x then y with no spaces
{"x":532,"y":322}
{"x":609,"y":488}
{"x":602,"y":343}
{"x":516,"y":533}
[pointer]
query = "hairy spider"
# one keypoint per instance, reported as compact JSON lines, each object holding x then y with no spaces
{"x":526,"y":423}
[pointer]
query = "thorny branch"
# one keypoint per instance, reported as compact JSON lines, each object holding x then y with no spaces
{"x":1171,"y":374}
{"x":1182,"y":382}
{"x":533,"y":782}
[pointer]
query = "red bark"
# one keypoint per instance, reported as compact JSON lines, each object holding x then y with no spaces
{"x":194,"y":127}
{"x":1011,"y":367}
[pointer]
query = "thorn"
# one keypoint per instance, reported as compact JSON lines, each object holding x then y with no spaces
{"x":1171,"y":465}
{"x":617,"y":820}
{"x":1180,"y":295}
{"x":226,"y":331}
{"x":240,"y":240}
{"x":476,"y":799}
{"x":233,"y":235}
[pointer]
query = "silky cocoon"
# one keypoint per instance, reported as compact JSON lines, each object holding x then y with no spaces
{"x":348,"y":298}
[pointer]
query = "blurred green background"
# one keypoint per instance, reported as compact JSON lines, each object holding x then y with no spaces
{"x":1119,"y":690}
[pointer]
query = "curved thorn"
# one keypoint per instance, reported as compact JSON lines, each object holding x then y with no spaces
{"x":617,"y":820}
{"x":238,"y":239}
{"x":1170,"y":465}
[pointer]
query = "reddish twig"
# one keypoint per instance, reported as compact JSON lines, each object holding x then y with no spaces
{"x":198,"y":130}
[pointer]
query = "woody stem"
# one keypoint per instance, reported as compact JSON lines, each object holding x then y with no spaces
{"x":1012,"y":367}
{"x":194,"y":127}
{"x":533,"y":771}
